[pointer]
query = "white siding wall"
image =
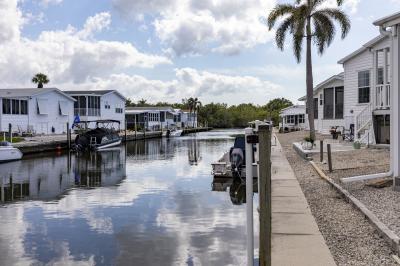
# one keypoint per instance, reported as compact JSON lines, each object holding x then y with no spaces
{"x":42,"y":124}
{"x":361,"y":62}
{"x":115,"y":102}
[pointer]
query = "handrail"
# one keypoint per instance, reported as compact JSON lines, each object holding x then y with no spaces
{"x":382,"y":96}
{"x":363,"y":118}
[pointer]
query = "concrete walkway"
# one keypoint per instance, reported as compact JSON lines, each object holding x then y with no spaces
{"x":296,"y":239}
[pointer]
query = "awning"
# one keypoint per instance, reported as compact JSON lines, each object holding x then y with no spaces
{"x":42,"y":106}
{"x":63,"y":108}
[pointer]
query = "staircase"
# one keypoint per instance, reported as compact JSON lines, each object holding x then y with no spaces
{"x":364,"y":126}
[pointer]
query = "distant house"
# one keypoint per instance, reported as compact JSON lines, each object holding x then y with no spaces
{"x":99,"y":105}
{"x":293,"y":118}
{"x":329,"y":104}
{"x":189,"y":119}
{"x":152,"y":118}
{"x":36,"y":110}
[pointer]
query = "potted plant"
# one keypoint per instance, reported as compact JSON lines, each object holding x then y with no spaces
{"x":334,"y":132}
{"x":309,"y":143}
{"x":357,"y":144}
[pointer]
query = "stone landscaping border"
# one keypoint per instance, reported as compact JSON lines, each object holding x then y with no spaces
{"x":306,"y":155}
{"x":383,"y":230}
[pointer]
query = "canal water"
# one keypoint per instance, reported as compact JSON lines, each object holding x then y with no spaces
{"x":151,"y":202}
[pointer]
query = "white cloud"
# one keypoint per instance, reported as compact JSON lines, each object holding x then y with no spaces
{"x":195,"y":27}
{"x":95,"y":24}
{"x":10,"y":21}
{"x":188,"y":82}
{"x":65,"y":55}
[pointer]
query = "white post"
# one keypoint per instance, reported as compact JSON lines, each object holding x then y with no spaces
{"x":385,"y":77}
{"x":249,"y":198}
{"x":374,"y":89}
{"x":395,"y":101}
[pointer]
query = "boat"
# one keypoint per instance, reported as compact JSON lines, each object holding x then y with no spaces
{"x":233,"y":162}
{"x":103,"y":136}
{"x":174,"y":133}
{"x":8,"y":152}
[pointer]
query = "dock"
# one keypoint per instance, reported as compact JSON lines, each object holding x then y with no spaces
{"x":48,"y":143}
{"x":296,"y":239}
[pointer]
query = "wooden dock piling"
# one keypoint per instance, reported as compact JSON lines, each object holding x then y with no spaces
{"x":329,"y":157}
{"x":264,"y":134}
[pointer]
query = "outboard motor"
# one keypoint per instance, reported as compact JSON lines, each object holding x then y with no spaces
{"x":237,"y":159}
{"x":237,"y":156}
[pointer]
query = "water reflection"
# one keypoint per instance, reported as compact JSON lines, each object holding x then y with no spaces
{"x":148,"y":203}
{"x":236,"y":187}
{"x":50,"y":177}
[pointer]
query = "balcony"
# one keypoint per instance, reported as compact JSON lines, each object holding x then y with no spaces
{"x":382,"y":97}
{"x":87,"y":112}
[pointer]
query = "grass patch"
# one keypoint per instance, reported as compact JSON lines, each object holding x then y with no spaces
{"x":14,"y":139}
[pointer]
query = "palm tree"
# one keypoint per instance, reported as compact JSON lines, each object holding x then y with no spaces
{"x":307,"y":19}
{"x":196,"y":107}
{"x":40,"y":79}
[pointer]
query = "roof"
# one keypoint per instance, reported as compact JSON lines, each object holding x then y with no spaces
{"x":365,"y":47}
{"x":339,"y":76}
{"x":150,"y":108}
{"x":95,"y":93}
{"x":146,"y":109}
{"x":388,"y":21}
{"x":29,"y":92}
{"x":303,"y":107}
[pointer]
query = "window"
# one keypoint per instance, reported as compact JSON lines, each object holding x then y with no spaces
{"x":24,"y":107}
{"x":315,"y":108}
{"x":6,"y":106}
{"x":321,"y":99}
{"x":15,"y":107}
{"x":120,"y":111}
{"x":380,"y":76}
{"x":301,"y":119}
{"x":339,"y":102}
{"x":107,"y":106}
{"x":290,"y":119}
{"x":328,"y":103}
{"x":363,"y":86}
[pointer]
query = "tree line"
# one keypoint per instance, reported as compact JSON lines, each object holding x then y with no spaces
{"x":220,"y":115}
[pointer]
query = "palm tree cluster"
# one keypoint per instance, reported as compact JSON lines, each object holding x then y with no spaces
{"x":308,"y":19}
{"x":193,"y":104}
{"x":40,"y":79}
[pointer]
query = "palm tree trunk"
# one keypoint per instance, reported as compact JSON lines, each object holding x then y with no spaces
{"x":309,"y":81}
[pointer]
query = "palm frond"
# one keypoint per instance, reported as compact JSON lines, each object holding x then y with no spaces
{"x":324,"y":31}
{"x":339,"y":16}
{"x":280,"y":35}
{"x":279,"y":11}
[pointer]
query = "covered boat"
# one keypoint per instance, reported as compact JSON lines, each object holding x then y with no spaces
{"x":8,"y":152}
{"x":103,"y":136}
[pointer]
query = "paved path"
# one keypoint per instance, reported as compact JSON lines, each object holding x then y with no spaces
{"x":296,"y":239}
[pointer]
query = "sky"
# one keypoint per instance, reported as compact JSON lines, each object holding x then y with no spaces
{"x":167,"y":50}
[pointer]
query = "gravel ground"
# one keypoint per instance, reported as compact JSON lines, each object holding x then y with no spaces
{"x":349,"y":236}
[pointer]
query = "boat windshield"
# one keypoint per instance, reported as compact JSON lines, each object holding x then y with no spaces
{"x":5,"y":144}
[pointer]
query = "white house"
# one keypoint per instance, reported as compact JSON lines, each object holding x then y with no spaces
{"x":293,"y":118}
{"x":329,"y":104}
{"x":36,"y":110}
{"x":367,"y":93}
{"x":152,"y":118}
{"x":189,"y":119}
{"x":99,"y":105}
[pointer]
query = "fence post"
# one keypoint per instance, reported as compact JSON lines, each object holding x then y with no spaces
{"x":264,"y":179}
{"x":10,"y":132}
{"x":329,"y":157}
{"x":68,"y":136}
{"x":126,"y":130}
{"x":321,"y":150}
{"x":249,"y":199}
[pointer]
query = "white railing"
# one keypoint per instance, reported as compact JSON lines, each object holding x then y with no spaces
{"x":363,"y":119}
{"x":382,"y":93}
